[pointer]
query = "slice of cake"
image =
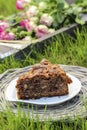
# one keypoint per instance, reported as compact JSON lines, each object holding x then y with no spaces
{"x":43,"y":80}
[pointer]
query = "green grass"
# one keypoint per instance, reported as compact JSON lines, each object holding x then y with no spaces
{"x":9,"y":121}
{"x":7,"y":7}
{"x":62,"y":50}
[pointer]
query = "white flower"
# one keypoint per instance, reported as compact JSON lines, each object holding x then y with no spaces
{"x":28,"y":1}
{"x":46,"y":19}
{"x":41,"y":30}
{"x":32,"y":11}
{"x":34,"y":19}
{"x":42,"y":6}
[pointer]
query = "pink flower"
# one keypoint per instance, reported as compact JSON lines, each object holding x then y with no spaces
{"x":24,"y":22}
{"x":11,"y":36}
{"x":6,"y":36}
{"x":1,"y":29}
{"x":46,"y":19}
{"x":2,"y":34}
{"x":32,"y":11}
{"x":30,"y":26}
{"x":3,"y":26}
{"x":41,"y":30}
{"x":21,"y":3}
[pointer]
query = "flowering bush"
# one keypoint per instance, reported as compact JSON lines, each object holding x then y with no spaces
{"x":37,"y":19}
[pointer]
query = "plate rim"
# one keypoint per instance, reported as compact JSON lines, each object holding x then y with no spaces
{"x":35,"y":103}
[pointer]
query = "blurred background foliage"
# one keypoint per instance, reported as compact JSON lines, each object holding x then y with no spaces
{"x":7,"y":7}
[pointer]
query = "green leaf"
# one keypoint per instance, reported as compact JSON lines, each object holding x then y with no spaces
{"x":62,"y":4}
{"x":66,"y":5}
{"x":76,"y":10}
{"x":69,"y":11}
{"x":78,"y":1}
{"x":59,"y":17}
{"x":79,"y":21}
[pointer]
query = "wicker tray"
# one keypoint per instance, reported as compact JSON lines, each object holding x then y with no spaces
{"x":71,"y":108}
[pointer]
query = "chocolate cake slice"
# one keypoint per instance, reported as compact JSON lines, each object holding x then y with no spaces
{"x":43,"y":80}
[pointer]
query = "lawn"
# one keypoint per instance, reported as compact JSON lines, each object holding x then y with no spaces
{"x":7,"y":7}
{"x":61,"y":50}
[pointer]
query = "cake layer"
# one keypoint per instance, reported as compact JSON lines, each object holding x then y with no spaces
{"x":43,"y":80}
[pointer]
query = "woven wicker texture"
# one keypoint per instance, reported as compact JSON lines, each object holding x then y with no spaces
{"x":74,"y":107}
